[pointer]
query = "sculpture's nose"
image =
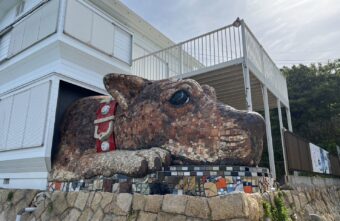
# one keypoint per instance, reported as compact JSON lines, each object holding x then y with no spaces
{"x":253,"y":125}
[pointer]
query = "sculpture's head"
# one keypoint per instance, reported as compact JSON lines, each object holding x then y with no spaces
{"x":185,"y":118}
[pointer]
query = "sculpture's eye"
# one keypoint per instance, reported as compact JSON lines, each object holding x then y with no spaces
{"x":179,"y":98}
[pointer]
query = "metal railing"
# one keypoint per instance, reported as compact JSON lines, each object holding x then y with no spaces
{"x":211,"y":49}
{"x":265,"y":68}
{"x":216,"y":47}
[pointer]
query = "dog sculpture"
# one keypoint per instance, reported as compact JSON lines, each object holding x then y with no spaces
{"x":157,"y":122}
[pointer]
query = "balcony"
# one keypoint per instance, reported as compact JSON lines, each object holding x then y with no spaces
{"x":230,"y":59}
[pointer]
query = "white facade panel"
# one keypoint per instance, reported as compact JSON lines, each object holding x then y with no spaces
{"x":18,"y":120}
{"x":48,"y":21}
{"x":100,"y":40}
{"x":4,"y":45}
{"x":8,"y":18}
{"x":78,"y":21}
{"x":31,"y":29}
{"x":29,"y":4}
{"x":36,"y":116}
{"x":122,"y":45}
{"x":34,"y":27}
{"x":23,"y":118}
{"x":5,"y":115}
{"x":17,"y":35}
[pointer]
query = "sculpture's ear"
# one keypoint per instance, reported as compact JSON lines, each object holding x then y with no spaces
{"x":210,"y":91}
{"x":123,"y":88}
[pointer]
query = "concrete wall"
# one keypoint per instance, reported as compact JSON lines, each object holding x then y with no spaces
{"x":314,"y":181}
{"x":79,"y":206}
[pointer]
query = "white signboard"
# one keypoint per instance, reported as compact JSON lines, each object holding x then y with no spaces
{"x":320,"y":160}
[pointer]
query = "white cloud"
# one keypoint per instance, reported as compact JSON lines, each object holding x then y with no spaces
{"x":290,"y":30}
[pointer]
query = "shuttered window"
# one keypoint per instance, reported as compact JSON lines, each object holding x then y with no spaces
{"x":23,"y":118}
{"x":122,"y":45}
{"x":4,"y":45}
{"x":89,"y":27}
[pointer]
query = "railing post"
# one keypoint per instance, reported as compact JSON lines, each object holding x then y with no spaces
{"x":268,"y":132}
{"x":167,"y":70}
{"x":246,"y":76}
{"x":289,"y":119}
{"x":181,"y":61}
{"x":282,"y":139}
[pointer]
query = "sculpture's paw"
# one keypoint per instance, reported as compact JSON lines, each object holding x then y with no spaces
{"x":136,"y":163}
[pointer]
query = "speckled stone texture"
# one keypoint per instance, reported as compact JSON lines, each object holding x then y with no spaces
{"x":304,"y":203}
{"x":199,"y":131}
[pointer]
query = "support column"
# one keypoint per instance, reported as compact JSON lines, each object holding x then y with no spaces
{"x":282,"y":139}
{"x":289,"y":119}
{"x":247,"y":87}
{"x":246,"y":76}
{"x":268,"y":132}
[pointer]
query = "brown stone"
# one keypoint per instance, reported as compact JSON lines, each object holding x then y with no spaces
{"x":228,"y":207}
{"x":71,"y":198}
{"x":73,"y":214}
{"x":98,"y":215}
{"x":174,"y":204}
{"x":96,"y":201}
{"x":153,"y":203}
{"x":107,"y":198}
{"x":145,"y":216}
{"x":138,"y":202}
{"x":81,"y":200}
{"x":122,"y":205}
{"x":86,"y":215}
{"x":197,"y":207}
{"x":170,"y":217}
{"x":58,"y":203}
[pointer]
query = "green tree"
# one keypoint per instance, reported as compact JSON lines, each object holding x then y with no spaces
{"x":314,"y":97}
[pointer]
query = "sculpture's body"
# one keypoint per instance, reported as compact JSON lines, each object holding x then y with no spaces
{"x":177,"y":116}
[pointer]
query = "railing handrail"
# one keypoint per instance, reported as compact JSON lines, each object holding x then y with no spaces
{"x":183,"y":42}
{"x":257,"y":41}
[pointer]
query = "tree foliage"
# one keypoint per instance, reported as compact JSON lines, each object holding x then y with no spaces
{"x":314,"y":97}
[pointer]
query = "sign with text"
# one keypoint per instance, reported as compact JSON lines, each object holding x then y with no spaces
{"x":320,"y":159}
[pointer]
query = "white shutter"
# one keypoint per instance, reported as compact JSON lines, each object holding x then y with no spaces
{"x":4,"y":45}
{"x":48,"y":21}
{"x":18,"y":119}
{"x":31,"y":29}
{"x":23,"y":118}
{"x":102,"y":34}
{"x":122,"y":45}
{"x":17,"y":35}
{"x":5,"y":115}
{"x":36,"y":116}
{"x":78,"y":21}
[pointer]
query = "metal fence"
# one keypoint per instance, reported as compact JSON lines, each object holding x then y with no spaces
{"x":216,"y":47}
{"x":299,"y":156}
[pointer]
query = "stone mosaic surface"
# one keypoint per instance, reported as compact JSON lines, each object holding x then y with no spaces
{"x":101,"y":206}
{"x":156,"y":121}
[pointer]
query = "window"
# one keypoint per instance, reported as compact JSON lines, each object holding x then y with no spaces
{"x":6,"y":181}
{"x":4,"y":45}
{"x":20,"y":8}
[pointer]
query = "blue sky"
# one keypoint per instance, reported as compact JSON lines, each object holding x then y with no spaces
{"x":302,"y":31}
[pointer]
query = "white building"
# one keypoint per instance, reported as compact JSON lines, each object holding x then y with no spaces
{"x":53,"y":52}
